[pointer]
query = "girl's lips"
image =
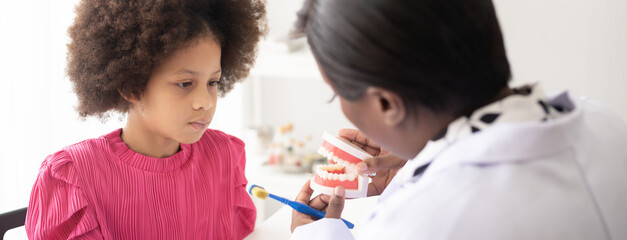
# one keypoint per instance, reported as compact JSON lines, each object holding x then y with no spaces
{"x":199,"y":126}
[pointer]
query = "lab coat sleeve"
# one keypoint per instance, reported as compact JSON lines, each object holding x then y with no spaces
{"x":323,"y":229}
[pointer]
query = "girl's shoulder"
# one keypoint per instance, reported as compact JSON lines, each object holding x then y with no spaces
{"x":69,"y":157}
{"x":89,"y":148}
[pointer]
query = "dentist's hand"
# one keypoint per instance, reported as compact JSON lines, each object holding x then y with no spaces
{"x":331,"y":205}
{"x":383,"y":163}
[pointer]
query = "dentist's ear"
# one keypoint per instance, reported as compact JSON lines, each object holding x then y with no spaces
{"x":390,"y":105}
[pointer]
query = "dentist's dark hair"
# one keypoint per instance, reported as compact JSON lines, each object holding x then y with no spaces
{"x":446,"y":55}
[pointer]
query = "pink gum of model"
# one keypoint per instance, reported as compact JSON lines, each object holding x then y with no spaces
{"x":343,"y":157}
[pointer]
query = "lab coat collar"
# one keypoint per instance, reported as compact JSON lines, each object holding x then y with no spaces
{"x":514,"y":141}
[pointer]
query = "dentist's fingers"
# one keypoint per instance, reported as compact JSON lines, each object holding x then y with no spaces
{"x":336,"y":203}
{"x":359,"y":139}
{"x":299,"y":219}
{"x":305,"y":194}
{"x":379,"y":163}
{"x":320,"y":202}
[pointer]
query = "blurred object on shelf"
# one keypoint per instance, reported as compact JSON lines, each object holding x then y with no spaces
{"x":290,"y":154}
{"x":258,"y":139}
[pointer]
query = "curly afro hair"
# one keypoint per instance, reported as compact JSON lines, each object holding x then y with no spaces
{"x":115,"y":45}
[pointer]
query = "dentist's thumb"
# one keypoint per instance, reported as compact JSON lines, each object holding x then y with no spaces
{"x":336,"y":203}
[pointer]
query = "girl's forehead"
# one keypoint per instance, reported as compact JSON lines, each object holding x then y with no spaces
{"x":202,"y":58}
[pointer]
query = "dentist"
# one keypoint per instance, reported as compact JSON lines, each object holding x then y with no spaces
{"x":427,"y":80}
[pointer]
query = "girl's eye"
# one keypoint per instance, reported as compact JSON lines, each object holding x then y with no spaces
{"x":213,"y":83}
{"x":184,"y":84}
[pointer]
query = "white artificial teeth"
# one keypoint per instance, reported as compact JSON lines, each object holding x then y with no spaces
{"x":337,"y":160}
{"x":321,"y":151}
{"x":345,"y":163}
{"x":352,"y":176}
{"x":319,"y":172}
{"x":330,"y":156}
{"x":342,"y":177}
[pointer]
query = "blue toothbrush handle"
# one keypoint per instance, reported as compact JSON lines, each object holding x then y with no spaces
{"x":313,"y":212}
{"x":303,"y":208}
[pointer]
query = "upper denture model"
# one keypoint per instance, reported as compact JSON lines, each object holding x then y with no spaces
{"x":343,"y":157}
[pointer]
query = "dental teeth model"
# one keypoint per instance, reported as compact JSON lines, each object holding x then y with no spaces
{"x":342,"y":171}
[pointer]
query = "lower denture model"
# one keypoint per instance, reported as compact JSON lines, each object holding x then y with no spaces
{"x":342,"y":171}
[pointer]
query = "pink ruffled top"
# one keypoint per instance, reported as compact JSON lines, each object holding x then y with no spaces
{"x":101,"y":189}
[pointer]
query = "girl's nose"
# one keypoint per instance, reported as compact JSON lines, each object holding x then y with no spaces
{"x":203,"y":99}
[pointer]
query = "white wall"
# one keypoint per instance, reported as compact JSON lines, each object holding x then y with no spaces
{"x":34,"y":122}
{"x":576,"y":45}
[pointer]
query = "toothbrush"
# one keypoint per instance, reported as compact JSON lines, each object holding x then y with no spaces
{"x":261,"y":193}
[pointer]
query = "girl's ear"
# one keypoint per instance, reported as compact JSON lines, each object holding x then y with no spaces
{"x":128,"y":97}
{"x":390,"y":106}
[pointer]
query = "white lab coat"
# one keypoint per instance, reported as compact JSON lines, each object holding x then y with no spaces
{"x":562,"y":179}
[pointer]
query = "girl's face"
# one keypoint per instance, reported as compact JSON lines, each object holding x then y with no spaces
{"x":181,"y":95}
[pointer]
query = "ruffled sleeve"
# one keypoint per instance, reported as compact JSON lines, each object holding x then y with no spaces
{"x":58,"y":208}
{"x":244,"y":214}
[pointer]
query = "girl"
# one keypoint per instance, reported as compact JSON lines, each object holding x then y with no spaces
{"x":164,"y":175}
{"x":501,"y":163}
